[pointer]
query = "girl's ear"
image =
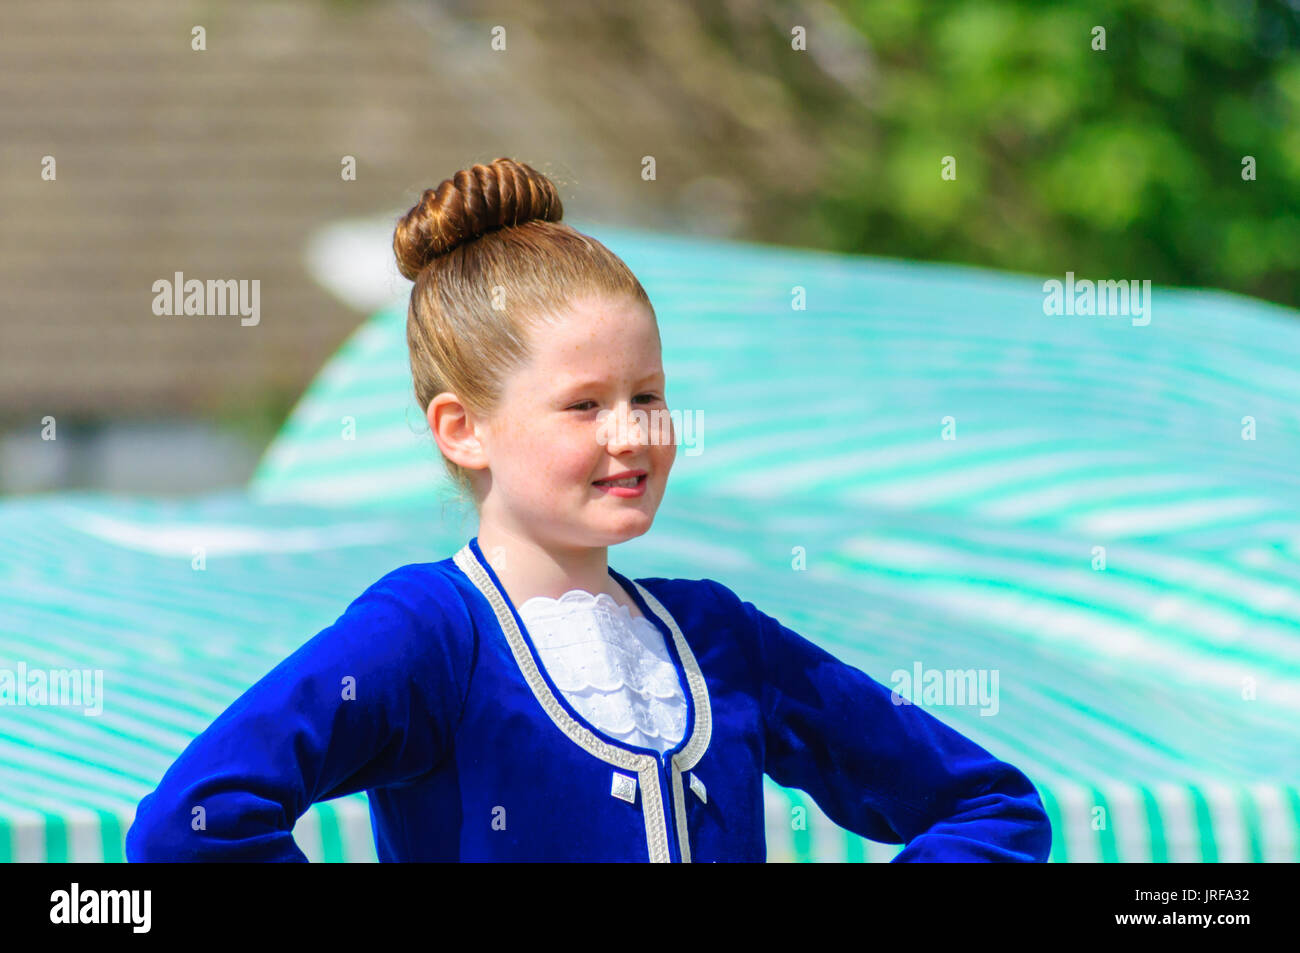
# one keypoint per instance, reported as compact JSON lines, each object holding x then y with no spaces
{"x":456,"y":433}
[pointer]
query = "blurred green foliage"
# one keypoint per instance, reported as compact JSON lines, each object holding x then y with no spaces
{"x":1120,"y":163}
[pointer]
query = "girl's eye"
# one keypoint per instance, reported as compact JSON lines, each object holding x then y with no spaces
{"x":650,"y":398}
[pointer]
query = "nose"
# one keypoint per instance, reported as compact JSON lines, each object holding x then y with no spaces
{"x":624,"y":429}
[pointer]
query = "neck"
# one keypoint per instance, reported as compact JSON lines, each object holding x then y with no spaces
{"x":527,"y":568}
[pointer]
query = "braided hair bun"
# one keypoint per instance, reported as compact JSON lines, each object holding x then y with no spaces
{"x":471,"y":203}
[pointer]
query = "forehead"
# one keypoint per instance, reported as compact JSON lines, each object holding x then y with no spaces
{"x":593,"y":338}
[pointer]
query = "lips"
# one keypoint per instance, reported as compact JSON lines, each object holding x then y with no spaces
{"x":626,"y":478}
{"x":628,"y":483}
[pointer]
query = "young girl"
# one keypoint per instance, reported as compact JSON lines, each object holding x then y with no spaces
{"x":522,"y":700}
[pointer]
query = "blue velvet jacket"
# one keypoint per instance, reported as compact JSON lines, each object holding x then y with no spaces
{"x":428,"y":694}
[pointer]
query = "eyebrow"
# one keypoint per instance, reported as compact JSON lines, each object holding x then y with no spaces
{"x":596,"y":382}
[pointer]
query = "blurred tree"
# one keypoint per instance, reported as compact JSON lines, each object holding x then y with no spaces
{"x":1122,"y":162}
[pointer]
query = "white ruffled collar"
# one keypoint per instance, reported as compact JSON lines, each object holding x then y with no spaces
{"x":613,"y":667}
{"x":573,"y":599}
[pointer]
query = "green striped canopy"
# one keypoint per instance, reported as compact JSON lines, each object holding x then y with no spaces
{"x":915,"y":466}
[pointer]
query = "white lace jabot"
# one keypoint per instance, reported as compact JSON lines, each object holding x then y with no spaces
{"x":612,"y":668}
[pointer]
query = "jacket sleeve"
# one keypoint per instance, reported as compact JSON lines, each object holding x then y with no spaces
{"x":888,"y":772}
{"x":371,"y":700}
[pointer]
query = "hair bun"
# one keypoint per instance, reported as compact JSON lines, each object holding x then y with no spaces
{"x":471,"y":203}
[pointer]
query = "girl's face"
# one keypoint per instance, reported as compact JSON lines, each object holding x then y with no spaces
{"x":566,"y":421}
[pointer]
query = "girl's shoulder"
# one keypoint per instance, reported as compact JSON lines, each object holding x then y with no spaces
{"x":696,"y":595}
{"x":430,"y":580}
{"x":423,"y":596}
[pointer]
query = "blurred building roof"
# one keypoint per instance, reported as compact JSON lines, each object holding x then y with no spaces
{"x":221,"y":163}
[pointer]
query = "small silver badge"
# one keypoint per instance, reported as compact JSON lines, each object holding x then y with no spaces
{"x":624,"y":787}
{"x":698,"y":787}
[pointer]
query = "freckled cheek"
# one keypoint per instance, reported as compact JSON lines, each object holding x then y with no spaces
{"x":664,"y":458}
{"x":532,"y":456}
{"x":562,"y":458}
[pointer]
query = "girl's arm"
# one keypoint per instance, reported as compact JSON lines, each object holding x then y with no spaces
{"x":888,"y":772}
{"x":371,"y":700}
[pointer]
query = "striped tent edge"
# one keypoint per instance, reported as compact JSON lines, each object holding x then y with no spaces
{"x":1111,"y":823}
{"x":336,"y":831}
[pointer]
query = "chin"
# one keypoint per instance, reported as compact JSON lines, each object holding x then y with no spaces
{"x":630,"y":529}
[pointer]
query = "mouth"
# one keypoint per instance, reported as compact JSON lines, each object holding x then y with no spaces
{"x":627,"y":482}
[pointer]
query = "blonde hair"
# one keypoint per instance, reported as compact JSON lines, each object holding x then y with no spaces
{"x":490,"y":259}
